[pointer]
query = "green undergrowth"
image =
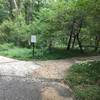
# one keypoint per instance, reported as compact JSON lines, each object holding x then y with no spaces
{"x":84,"y":79}
{"x":9,"y":50}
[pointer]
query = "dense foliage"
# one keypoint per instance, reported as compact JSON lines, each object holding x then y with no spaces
{"x":55,"y":22}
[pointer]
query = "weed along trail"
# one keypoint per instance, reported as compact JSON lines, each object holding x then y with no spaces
{"x":36,"y":80}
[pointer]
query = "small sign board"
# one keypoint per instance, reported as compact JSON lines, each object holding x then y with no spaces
{"x":33,"y":39}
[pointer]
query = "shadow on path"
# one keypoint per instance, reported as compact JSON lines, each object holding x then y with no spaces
{"x":17,"y":88}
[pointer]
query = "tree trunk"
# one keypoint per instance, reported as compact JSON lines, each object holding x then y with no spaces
{"x":71,"y":34}
{"x":50,"y":46}
{"x":11,"y":9}
{"x":77,"y":35}
{"x":69,"y":42}
{"x":15,"y":3}
{"x":79,"y":42}
{"x":19,"y":3}
{"x":96,"y":43}
{"x":73,"y":41}
{"x":28,"y":12}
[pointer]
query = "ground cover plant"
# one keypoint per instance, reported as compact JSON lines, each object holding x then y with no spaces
{"x":84,"y":79}
{"x":10,"y":50}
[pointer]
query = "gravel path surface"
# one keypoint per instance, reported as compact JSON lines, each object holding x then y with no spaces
{"x":38,"y":80}
{"x":53,"y":69}
{"x":13,"y":67}
{"x":17,"y":82}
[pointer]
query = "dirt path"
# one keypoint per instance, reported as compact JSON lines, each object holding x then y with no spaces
{"x":38,"y":80}
{"x":56,"y":69}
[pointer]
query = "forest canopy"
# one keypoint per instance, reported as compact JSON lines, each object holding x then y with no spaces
{"x":72,"y":23}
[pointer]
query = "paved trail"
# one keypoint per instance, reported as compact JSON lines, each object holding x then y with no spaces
{"x":38,"y":80}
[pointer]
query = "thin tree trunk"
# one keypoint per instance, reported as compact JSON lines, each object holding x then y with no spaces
{"x":28,"y":12}
{"x":11,"y":9}
{"x":73,"y":41}
{"x":77,"y":35}
{"x":50,"y":45}
{"x":15,"y":4}
{"x":96,"y":43}
{"x":79,"y":42}
{"x":19,"y":3}
{"x":69,"y":42}
{"x":71,"y":34}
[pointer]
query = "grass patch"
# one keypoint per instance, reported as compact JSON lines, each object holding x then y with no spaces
{"x":85,"y":80}
{"x":26,"y":54}
{"x":42,"y":54}
{"x":18,"y":53}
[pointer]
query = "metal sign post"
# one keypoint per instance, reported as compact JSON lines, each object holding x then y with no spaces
{"x":33,"y":49}
{"x":33,"y":41}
